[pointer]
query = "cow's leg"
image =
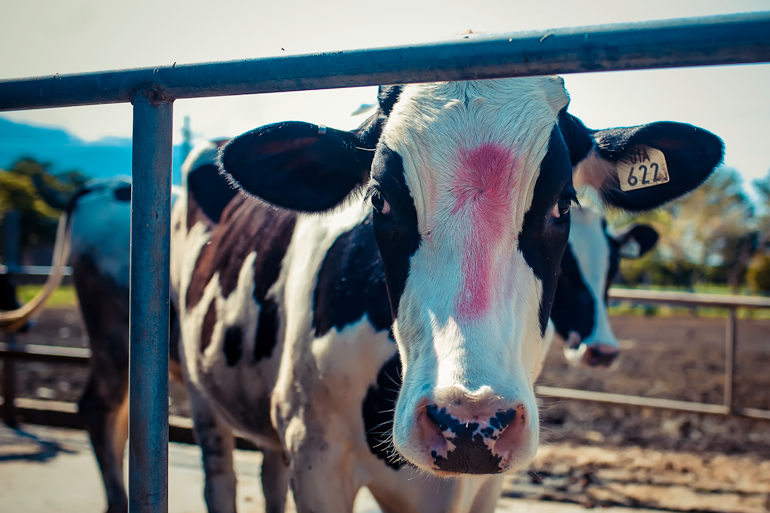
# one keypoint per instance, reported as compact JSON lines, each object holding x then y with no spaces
{"x":322,"y":476}
{"x":107,"y":424}
{"x":217,"y":443}
{"x":104,"y":404}
{"x":275,"y":480}
{"x":323,"y":492}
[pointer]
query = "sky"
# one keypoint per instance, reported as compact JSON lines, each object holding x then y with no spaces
{"x":43,"y":37}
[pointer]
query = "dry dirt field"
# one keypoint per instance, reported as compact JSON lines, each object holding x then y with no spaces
{"x":595,"y":454}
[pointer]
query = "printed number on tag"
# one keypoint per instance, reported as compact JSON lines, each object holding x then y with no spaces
{"x":644,"y":167}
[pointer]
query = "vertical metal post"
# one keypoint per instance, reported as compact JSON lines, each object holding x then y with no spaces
{"x":12,"y":252}
{"x":149,"y":305}
{"x":12,"y":240}
{"x":9,"y":386}
{"x":730,"y":343}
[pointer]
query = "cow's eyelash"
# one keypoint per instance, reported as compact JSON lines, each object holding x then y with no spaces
{"x":572,"y":196}
{"x":371,"y":190}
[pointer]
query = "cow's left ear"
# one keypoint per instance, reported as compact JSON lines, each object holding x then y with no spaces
{"x":297,"y":165}
{"x":642,"y":167}
{"x":636,"y":240}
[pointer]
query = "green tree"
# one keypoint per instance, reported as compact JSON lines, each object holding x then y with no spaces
{"x":759,"y":268}
{"x":39,"y":196}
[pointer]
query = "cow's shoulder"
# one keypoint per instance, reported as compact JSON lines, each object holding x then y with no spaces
{"x":246,"y":226}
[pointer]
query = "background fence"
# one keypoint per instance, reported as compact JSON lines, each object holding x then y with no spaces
{"x":734,"y":39}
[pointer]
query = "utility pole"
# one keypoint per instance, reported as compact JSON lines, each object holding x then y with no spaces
{"x":186,"y":138}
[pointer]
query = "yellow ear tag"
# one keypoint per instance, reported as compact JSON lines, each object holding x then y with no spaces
{"x":643,"y":167}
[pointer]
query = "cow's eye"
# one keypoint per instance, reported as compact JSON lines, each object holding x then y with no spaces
{"x":380,"y":205}
{"x":561,"y":208}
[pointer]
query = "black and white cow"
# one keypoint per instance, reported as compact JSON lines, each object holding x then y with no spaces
{"x":588,"y":267}
{"x":440,"y":223}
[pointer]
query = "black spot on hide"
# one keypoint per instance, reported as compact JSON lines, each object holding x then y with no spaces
{"x":267,"y":330}
{"x":207,"y":330}
{"x":233,"y":344}
{"x":378,"y":410}
{"x":122,"y":193}
{"x":351,"y":283}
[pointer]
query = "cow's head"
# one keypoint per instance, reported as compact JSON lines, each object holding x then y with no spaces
{"x":470,"y":184}
{"x":588,"y":267}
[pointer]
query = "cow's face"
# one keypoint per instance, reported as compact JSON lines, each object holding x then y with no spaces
{"x":588,"y":267}
{"x":471,"y":187}
{"x":470,"y":184}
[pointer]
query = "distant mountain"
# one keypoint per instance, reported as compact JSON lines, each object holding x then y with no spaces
{"x":65,"y":152}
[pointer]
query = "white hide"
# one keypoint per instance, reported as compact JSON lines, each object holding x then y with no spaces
{"x":101,"y":227}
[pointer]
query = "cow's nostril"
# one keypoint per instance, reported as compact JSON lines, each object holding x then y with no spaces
{"x":431,"y":437}
{"x":512,"y":432}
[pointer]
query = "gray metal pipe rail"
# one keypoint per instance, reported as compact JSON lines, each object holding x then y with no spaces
{"x":718,"y":40}
{"x":32,"y":270}
{"x":707,"y":41}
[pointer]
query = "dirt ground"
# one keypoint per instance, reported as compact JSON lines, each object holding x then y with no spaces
{"x":593,"y":454}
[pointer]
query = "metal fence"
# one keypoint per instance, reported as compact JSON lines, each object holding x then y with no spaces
{"x":717,"y":40}
{"x":732,"y":303}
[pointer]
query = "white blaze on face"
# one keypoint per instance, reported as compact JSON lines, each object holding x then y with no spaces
{"x":591,"y":249}
{"x":468,"y":318}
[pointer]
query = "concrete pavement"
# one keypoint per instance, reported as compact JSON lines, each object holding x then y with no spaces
{"x":53,"y":470}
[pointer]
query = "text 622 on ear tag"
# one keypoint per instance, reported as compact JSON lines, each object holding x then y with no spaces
{"x":643,"y":167}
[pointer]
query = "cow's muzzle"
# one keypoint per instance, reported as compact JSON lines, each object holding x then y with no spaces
{"x":595,"y":354}
{"x":458,"y":441}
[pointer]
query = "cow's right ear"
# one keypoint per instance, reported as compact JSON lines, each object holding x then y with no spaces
{"x":297,"y":165}
{"x":642,"y":167}
{"x":636,"y":240}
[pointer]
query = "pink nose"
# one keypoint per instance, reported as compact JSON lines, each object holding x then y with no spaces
{"x":464,"y":442}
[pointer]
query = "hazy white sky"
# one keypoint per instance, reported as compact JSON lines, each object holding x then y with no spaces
{"x":41,"y":37}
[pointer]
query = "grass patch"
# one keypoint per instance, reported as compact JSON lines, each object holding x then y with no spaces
{"x":62,"y":296}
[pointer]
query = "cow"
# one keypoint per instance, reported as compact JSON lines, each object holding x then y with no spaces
{"x":405,"y":270}
{"x":588,"y":267}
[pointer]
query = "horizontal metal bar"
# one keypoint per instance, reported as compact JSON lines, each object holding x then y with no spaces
{"x":649,"y":402}
{"x":707,"y":41}
{"x":689,"y":299}
{"x":79,"y":356}
{"x":50,"y":354}
{"x":32,"y":270}
{"x":46,"y":405}
{"x":65,"y":414}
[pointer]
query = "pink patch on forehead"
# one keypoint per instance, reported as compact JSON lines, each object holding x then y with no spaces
{"x":483,"y":190}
